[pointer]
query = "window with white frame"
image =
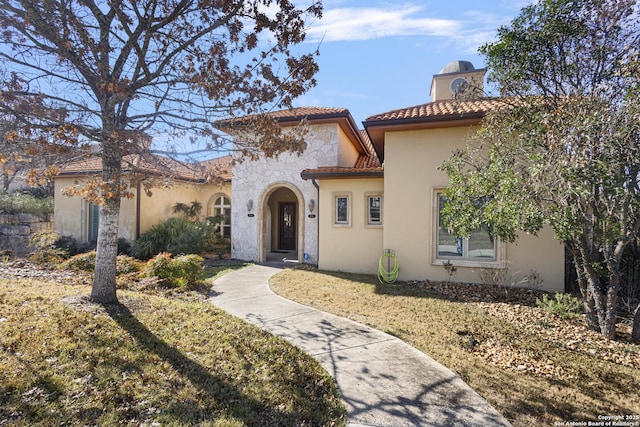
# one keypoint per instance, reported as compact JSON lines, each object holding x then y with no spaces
{"x":342,"y":209}
{"x":480,"y":246}
{"x":222,"y":210}
{"x":374,"y":209}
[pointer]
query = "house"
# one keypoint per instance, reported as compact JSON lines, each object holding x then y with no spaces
{"x":155,"y":184}
{"x":351,"y":195}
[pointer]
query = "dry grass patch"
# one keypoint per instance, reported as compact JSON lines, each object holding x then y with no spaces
{"x":530,"y":374}
{"x":151,"y":360}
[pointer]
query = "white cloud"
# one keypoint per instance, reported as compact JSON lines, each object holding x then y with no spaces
{"x":345,"y":24}
{"x":470,"y":28}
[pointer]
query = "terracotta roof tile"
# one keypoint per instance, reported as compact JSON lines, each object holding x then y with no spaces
{"x":290,"y":115}
{"x":439,"y":109}
{"x":221,"y":167}
{"x":367,"y":165}
{"x":302,"y":112}
{"x":370,"y":158}
{"x":152,"y":164}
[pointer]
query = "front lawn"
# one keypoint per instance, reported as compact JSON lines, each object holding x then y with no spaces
{"x":533,"y":367}
{"x":155,"y":359}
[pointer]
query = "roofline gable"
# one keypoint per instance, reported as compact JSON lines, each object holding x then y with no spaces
{"x":438,"y":114}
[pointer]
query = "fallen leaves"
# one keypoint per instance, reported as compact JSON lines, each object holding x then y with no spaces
{"x":517,"y":307}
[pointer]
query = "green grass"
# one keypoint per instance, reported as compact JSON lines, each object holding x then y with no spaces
{"x":170,"y":359}
{"x":564,"y":385}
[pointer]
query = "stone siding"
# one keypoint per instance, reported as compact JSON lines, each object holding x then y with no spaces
{"x":16,"y":231}
{"x":252,"y":179}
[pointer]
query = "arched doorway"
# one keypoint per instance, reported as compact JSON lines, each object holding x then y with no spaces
{"x":281,"y":223}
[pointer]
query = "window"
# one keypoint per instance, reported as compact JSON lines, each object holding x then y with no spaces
{"x":342,"y":211}
{"x":374,"y":209}
{"x":480,"y":246}
{"x":93,"y":218}
{"x":222,"y":209}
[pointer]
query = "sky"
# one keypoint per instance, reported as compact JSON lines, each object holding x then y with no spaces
{"x":377,"y":56}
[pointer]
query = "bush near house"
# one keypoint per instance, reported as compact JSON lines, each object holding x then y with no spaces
{"x":184,"y":234}
{"x":181,"y":271}
{"x":16,"y":203}
{"x":87,"y":262}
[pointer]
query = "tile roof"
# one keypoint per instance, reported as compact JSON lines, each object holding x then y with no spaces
{"x":370,"y":158}
{"x":307,"y":112}
{"x":367,"y":165}
{"x":153,"y":164}
{"x":449,"y":112}
{"x":289,"y":115}
{"x":439,"y":109}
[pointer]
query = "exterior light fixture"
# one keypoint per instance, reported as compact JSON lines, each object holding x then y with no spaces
{"x":250,"y":205}
{"x":312,"y":205}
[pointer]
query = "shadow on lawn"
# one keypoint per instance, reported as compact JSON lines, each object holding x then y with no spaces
{"x":525,"y":399}
{"x":449,"y":291}
{"x":225,"y":396}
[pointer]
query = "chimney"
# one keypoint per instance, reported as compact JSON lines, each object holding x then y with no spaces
{"x":458,"y":78}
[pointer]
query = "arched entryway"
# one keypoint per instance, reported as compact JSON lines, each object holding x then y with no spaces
{"x":281,"y":223}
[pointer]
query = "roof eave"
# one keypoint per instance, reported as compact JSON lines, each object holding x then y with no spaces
{"x":306,"y":174}
{"x":140,"y":173}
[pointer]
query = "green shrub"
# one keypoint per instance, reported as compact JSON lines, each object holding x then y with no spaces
{"x":85,"y":262}
{"x":124,"y":246}
{"x":126,"y":264}
{"x":45,"y":251}
{"x":181,"y":271}
{"x":563,"y":305}
{"x":44,"y":240}
{"x":67,"y":244}
{"x":48,"y":256}
{"x":16,"y":203}
{"x":176,"y":235}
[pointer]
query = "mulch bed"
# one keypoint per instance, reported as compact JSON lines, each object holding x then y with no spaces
{"x":518,"y":307}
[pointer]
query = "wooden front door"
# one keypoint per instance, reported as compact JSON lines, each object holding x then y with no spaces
{"x":287,"y":226}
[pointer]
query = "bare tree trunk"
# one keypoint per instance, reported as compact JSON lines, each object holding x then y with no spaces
{"x":594,"y":292}
{"x":588,"y":301}
{"x":611,"y":307}
{"x":635,"y":331}
{"x":613,"y":292}
{"x":104,"y":276}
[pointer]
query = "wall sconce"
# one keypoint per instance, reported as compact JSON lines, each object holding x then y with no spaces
{"x":312,"y":205}
{"x":250,"y":205}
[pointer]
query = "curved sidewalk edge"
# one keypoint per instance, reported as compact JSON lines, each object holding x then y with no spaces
{"x":382,"y":380}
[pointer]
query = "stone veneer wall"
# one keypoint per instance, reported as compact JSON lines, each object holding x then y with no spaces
{"x":252,"y":178}
{"x":16,"y":231}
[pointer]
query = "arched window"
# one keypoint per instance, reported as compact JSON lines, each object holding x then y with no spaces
{"x":222,"y":207}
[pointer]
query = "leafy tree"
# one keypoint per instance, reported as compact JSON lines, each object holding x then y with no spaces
{"x":564,"y":148}
{"x":31,"y":150}
{"x":118,"y":69}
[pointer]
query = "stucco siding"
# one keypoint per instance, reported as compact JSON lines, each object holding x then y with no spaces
{"x":347,"y":153}
{"x":68,"y":220}
{"x":411,"y":178}
{"x":356,"y":247}
{"x":71,"y":214}
{"x":159,"y":207}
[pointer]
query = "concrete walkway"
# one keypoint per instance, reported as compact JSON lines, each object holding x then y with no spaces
{"x":382,"y":380}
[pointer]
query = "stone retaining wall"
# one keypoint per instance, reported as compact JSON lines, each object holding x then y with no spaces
{"x":16,"y":231}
